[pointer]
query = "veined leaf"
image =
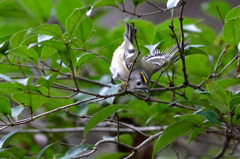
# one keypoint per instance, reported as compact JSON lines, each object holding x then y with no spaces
{"x":7,"y":138}
{"x":74,"y":20}
{"x":100,"y":116}
{"x":170,"y":133}
{"x":25,"y":53}
{"x":47,"y":29}
{"x":5,"y":106}
{"x":231,"y":31}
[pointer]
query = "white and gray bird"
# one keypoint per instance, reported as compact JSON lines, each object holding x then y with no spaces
{"x":124,"y":56}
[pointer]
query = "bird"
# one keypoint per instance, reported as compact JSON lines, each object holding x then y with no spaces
{"x":126,"y":56}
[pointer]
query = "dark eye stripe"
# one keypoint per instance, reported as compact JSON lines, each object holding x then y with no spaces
{"x":143,"y":77}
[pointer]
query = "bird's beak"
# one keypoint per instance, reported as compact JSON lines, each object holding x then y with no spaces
{"x":146,"y":90}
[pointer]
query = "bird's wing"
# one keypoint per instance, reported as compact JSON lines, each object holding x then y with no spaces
{"x":157,"y":59}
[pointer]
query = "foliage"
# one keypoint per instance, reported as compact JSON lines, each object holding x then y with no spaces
{"x":56,"y":56}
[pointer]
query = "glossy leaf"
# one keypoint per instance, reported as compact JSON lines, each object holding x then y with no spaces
{"x":196,"y":102}
{"x":209,"y":115}
{"x":44,"y":149}
{"x":112,"y":90}
{"x":194,"y":118}
{"x":85,"y":58}
{"x":222,"y":107}
{"x":47,"y":81}
{"x":14,"y":152}
{"x":6,"y":78}
{"x":170,"y":133}
{"x":118,"y":155}
{"x":47,"y":51}
{"x":4,"y":47}
{"x":42,"y":38}
{"x":32,"y":100}
{"x":195,"y":50}
{"x":75,"y":151}
{"x":195,"y":133}
{"x":235,"y":12}
{"x":103,"y":3}
{"x":5,"y":106}
{"x":217,"y":91}
{"x":74,"y":20}
{"x":138,"y":2}
{"x":7,"y":138}
{"x":211,"y":8}
{"x":47,"y":29}
{"x":56,"y":44}
{"x":172,"y":3}
{"x":62,"y":12}
{"x":234,"y":102}
{"x":8,"y":87}
{"x":100,"y":116}
{"x":40,"y":9}
{"x":165,"y":39}
{"x":67,"y":56}
{"x":16,"y":111}
{"x":18,"y":38}
{"x":231,"y":31}
{"x":84,"y":30}
{"x":25,"y":53}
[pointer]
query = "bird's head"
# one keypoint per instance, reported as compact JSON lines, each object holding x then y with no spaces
{"x":138,"y":81}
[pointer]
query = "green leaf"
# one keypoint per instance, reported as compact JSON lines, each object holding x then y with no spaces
{"x":196,"y":102}
{"x":25,"y":53}
{"x":8,"y":87}
{"x":217,"y":92}
{"x":75,"y":151}
{"x":67,"y":56}
{"x":56,"y":44}
{"x":237,"y":111}
{"x":18,"y":38}
{"x":138,"y":2}
{"x":6,"y":78}
{"x":5,"y":106}
{"x":47,"y":51}
{"x":170,"y":133}
{"x":222,"y":107}
{"x":84,"y":30}
{"x":112,"y":90}
{"x":47,"y":29}
{"x":44,"y":149}
{"x":172,"y":3}
{"x":194,"y":118}
{"x":74,"y":20}
{"x":32,"y":100}
{"x":42,"y":38}
{"x":5,"y":38}
{"x":211,"y":8}
{"x":195,"y":133}
{"x":4,"y":47}
{"x":85,"y":58}
{"x":194,"y":50}
{"x":234,"y":102}
{"x":235,"y":12}
{"x":14,"y":152}
{"x":7,"y":138}
{"x":231,"y":31}
{"x":118,"y":155}
{"x":126,"y":139}
{"x":209,"y":115}
{"x":166,"y":40}
{"x":62,"y":12}
{"x":16,"y":111}
{"x":47,"y":81}
{"x":41,"y":9}
{"x":100,"y":116}
{"x":103,"y":3}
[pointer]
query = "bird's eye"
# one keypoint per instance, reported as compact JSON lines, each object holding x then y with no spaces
{"x":138,"y":83}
